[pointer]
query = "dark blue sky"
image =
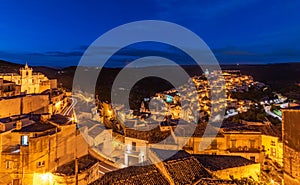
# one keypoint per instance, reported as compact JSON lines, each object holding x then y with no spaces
{"x":55,"y":33}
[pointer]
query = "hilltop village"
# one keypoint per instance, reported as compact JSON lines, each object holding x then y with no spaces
{"x":44,"y":141}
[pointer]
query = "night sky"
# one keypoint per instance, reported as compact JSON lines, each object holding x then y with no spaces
{"x":55,"y":33}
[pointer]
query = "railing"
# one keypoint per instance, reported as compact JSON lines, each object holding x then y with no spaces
{"x":244,"y":150}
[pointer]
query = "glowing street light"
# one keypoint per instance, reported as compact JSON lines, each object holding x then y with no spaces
{"x":44,"y":178}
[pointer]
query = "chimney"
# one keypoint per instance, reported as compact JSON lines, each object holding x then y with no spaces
{"x":19,"y":125}
{"x":45,"y":117}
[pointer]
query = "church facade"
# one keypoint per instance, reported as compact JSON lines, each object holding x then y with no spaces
{"x":30,"y":82}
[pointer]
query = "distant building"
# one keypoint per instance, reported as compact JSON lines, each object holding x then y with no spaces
{"x":224,"y":166}
{"x":8,"y":88}
{"x":254,"y":142}
{"x":29,"y":81}
{"x":291,"y":146}
{"x":183,"y":168}
{"x":89,"y":169}
{"x":24,"y":104}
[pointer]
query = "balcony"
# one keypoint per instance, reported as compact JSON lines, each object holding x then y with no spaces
{"x":244,"y":149}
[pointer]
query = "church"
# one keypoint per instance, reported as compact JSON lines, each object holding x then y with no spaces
{"x":30,"y":82}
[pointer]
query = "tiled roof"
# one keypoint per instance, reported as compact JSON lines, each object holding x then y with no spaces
{"x":133,"y":175}
{"x":220,"y":162}
{"x":265,"y":129}
{"x":173,"y":153}
{"x":200,"y":130}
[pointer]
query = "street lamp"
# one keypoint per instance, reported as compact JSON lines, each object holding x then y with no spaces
{"x":45,"y":178}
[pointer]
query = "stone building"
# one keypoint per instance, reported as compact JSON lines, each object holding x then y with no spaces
{"x":253,"y":142}
{"x":30,"y":152}
{"x":24,"y":104}
{"x":30,"y":82}
{"x":8,"y":88}
{"x":224,"y":166}
{"x":182,"y":168}
{"x":291,"y":146}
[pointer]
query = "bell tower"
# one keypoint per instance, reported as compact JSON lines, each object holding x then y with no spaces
{"x":26,"y":79}
{"x":26,"y":72}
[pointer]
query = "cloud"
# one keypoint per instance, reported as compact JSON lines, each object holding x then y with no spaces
{"x":57,"y":53}
{"x":233,"y":51}
{"x":227,"y":55}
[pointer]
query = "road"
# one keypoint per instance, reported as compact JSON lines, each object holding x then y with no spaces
{"x":267,"y":110}
{"x":68,"y":111}
{"x":103,"y":166}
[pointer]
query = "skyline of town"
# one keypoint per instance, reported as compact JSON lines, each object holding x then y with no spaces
{"x":149,"y":92}
{"x":64,"y":136}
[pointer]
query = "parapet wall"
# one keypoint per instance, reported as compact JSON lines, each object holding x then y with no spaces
{"x":24,"y":105}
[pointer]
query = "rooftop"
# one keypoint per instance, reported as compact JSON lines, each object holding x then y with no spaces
{"x":175,"y":155}
{"x":210,"y":181}
{"x":266,"y":129}
{"x":12,"y":149}
{"x":201,"y":130}
{"x":7,"y":81}
{"x":220,"y":162}
{"x":13,"y":118}
{"x":84,"y":163}
{"x":133,"y":175}
{"x":87,"y":123}
{"x":37,"y":127}
{"x":60,"y":119}
{"x":152,"y":136}
{"x":96,"y":130}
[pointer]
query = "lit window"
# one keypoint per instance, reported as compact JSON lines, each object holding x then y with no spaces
{"x":24,"y":140}
{"x":40,"y":164}
{"x":273,"y":152}
{"x":272,"y":143}
{"x":8,"y":164}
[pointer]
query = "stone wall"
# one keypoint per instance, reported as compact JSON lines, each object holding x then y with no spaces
{"x":252,"y":170}
{"x":24,"y":105}
{"x":10,"y":107}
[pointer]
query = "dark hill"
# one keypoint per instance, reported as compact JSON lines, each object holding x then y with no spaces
{"x":282,"y":78}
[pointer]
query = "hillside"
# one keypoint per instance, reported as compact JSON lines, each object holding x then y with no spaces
{"x":282,"y":78}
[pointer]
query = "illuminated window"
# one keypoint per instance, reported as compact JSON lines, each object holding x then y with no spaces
{"x":8,"y":164}
{"x":272,"y":143}
{"x":40,"y":164}
{"x":24,"y":140}
{"x":273,"y":152}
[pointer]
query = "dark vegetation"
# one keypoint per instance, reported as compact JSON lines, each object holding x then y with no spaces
{"x":282,"y":78}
